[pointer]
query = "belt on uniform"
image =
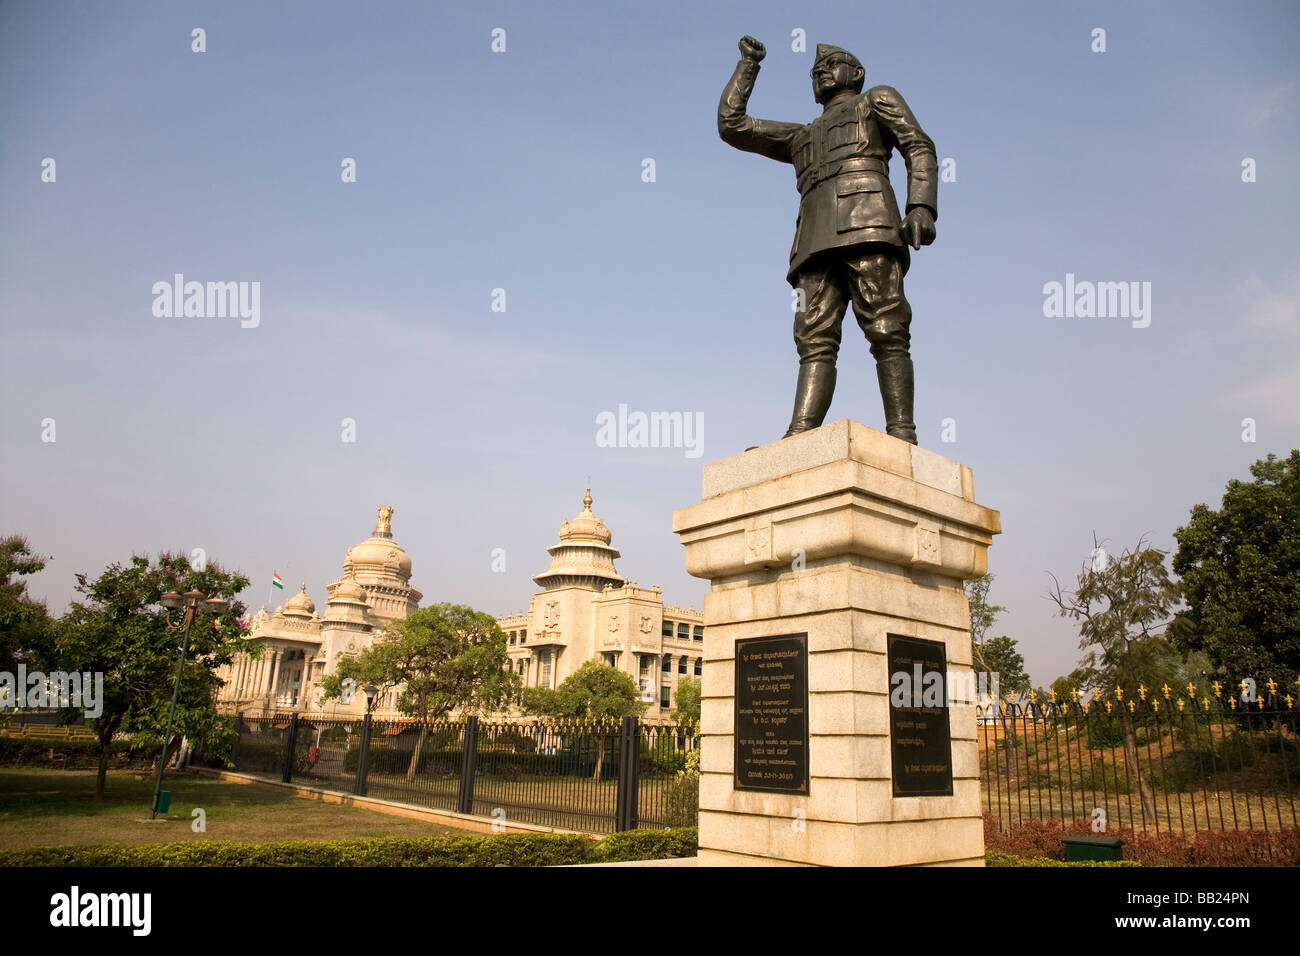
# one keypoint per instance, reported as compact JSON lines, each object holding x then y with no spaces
{"x":856,"y":164}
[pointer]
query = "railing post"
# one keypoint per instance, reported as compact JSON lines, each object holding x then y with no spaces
{"x":291,"y":742}
{"x":626,"y":809}
{"x":363,"y":758}
{"x":468,"y":762}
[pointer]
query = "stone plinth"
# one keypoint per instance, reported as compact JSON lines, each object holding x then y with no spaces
{"x":846,"y":535}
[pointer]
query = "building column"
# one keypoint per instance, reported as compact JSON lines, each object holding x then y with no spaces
{"x":276,"y":657}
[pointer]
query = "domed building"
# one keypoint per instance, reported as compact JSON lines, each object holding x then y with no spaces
{"x":374,"y":590}
{"x":585,"y":610}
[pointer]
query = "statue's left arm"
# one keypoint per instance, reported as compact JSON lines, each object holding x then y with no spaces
{"x":922,"y":164}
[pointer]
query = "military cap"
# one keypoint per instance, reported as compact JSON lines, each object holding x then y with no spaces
{"x":826,"y":51}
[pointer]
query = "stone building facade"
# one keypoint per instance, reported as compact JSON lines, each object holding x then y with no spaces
{"x":585,"y":610}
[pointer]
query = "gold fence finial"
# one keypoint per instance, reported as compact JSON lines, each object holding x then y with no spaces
{"x":1191,"y":690}
{"x":1142,"y":691}
{"x":1165,"y":690}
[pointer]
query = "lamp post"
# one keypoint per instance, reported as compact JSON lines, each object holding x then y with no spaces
{"x":189,"y":603}
{"x":363,"y":761}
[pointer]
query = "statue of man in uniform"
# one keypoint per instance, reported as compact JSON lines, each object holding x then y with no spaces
{"x":850,"y":244}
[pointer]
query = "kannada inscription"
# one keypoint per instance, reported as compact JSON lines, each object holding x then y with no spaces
{"x":771,"y":729}
{"x":919,"y":733}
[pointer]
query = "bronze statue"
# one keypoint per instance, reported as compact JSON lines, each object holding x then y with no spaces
{"x":850,"y":244}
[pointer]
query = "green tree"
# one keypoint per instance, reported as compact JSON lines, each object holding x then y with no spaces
{"x":1240,"y":567}
{"x":1062,"y":687}
{"x":1001,"y":657}
{"x":445,"y":658}
{"x":120,"y":631}
{"x":24,"y":623}
{"x":1122,"y":604}
{"x":686,"y":705}
{"x":983,"y":614}
{"x":595,"y":691}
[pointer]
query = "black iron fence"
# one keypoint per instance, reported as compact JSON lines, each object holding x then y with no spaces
{"x":1152,"y":762}
{"x":593,"y":776}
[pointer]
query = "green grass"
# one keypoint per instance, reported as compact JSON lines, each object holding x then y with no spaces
{"x":57,"y":807}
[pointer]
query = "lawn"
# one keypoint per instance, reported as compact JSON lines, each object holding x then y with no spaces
{"x":57,"y":807}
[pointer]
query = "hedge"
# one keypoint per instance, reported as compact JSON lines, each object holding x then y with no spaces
{"x":522,"y":849}
{"x":1032,"y":838}
{"x":78,"y":754}
{"x":994,"y":858}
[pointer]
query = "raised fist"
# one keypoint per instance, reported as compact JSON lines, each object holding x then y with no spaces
{"x":751,"y":49}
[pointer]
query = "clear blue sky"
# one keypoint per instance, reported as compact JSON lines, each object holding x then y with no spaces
{"x":522,"y":171}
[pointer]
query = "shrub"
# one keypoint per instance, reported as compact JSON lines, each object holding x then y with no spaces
{"x":1104,"y":732}
{"x":1032,"y":839}
{"x":522,"y":849}
{"x":509,"y":739}
{"x":77,"y":754}
{"x":993,"y":858}
{"x":646,"y":845}
{"x":682,"y":794}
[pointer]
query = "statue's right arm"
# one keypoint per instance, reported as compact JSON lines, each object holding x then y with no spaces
{"x":737,"y":128}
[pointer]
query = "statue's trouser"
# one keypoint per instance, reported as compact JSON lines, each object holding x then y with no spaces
{"x":873,"y":282}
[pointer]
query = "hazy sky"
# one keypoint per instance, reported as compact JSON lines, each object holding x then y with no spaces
{"x":523,"y":171}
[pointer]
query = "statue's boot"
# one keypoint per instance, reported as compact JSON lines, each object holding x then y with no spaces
{"x":896,"y":391}
{"x":812,"y":396}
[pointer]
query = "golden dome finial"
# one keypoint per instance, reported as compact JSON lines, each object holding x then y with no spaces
{"x":382,"y":525}
{"x":586,"y":502}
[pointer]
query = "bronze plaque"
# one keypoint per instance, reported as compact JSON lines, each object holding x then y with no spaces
{"x":920,"y":739}
{"x":771,"y":730}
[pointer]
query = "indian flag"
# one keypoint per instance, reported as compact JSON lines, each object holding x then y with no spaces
{"x":276,"y":582}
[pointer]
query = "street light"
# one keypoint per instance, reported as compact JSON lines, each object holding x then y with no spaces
{"x":189,"y":602}
{"x":363,"y":763}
